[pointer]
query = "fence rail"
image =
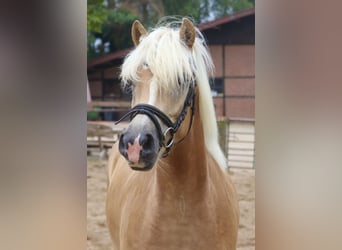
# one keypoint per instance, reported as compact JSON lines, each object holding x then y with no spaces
{"x":240,"y":142}
{"x":237,"y":139}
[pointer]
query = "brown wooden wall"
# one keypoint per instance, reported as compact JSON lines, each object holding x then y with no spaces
{"x":235,"y":66}
{"x":232,"y":46}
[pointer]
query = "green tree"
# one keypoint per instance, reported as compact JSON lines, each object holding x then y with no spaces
{"x":110,"y":21}
{"x":116,"y":30}
{"x":148,"y":11}
{"x":190,"y":8}
{"x":222,"y":8}
{"x":96,"y":15}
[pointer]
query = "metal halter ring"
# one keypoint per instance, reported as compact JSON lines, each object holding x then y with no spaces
{"x":171,"y":131}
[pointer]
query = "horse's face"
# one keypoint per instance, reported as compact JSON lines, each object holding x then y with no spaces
{"x":147,"y":136}
{"x":141,"y":143}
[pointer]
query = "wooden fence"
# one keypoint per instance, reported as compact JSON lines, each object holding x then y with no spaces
{"x":237,"y":139}
{"x":102,"y":135}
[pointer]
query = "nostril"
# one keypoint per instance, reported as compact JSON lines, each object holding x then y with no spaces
{"x":146,"y":141}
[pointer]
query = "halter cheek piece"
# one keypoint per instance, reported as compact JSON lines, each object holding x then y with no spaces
{"x":153,"y":113}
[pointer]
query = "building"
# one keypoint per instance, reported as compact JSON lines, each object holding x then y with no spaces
{"x":231,"y":41}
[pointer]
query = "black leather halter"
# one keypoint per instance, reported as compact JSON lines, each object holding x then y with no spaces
{"x":153,"y":113}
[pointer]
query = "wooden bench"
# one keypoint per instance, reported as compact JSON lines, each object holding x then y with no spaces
{"x":102,"y":135}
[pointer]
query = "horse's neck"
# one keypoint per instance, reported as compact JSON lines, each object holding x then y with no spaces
{"x":186,"y":166}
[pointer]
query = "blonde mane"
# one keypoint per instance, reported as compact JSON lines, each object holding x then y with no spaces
{"x":171,"y":63}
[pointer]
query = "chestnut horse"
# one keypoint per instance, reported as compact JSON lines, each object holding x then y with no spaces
{"x":168,"y":187}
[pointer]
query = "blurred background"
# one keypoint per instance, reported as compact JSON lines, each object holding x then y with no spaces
{"x":44,"y":60}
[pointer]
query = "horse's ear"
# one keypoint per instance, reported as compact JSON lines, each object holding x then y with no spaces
{"x":138,"y":30}
{"x":187,"y":32}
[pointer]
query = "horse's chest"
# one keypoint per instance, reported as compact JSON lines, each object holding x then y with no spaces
{"x":175,"y":225}
{"x":146,"y":218}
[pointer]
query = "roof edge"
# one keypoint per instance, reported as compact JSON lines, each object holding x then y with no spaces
{"x":106,"y":58}
{"x":226,"y":19}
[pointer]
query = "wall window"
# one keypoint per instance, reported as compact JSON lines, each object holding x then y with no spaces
{"x":217,"y":87}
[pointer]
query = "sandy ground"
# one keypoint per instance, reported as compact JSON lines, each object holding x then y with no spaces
{"x":98,"y":237}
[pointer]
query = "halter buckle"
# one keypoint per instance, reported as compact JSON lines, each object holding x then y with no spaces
{"x":171,"y":131}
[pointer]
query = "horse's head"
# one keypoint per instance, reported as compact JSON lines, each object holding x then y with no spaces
{"x":160,"y":73}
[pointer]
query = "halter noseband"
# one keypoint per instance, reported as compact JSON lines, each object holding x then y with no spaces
{"x":153,"y":113}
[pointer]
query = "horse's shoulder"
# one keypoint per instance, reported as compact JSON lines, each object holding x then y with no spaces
{"x":222,"y":180}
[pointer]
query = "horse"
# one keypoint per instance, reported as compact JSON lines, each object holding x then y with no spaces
{"x":168,"y":187}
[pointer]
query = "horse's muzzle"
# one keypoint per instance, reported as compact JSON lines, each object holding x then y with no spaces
{"x":140,"y":149}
